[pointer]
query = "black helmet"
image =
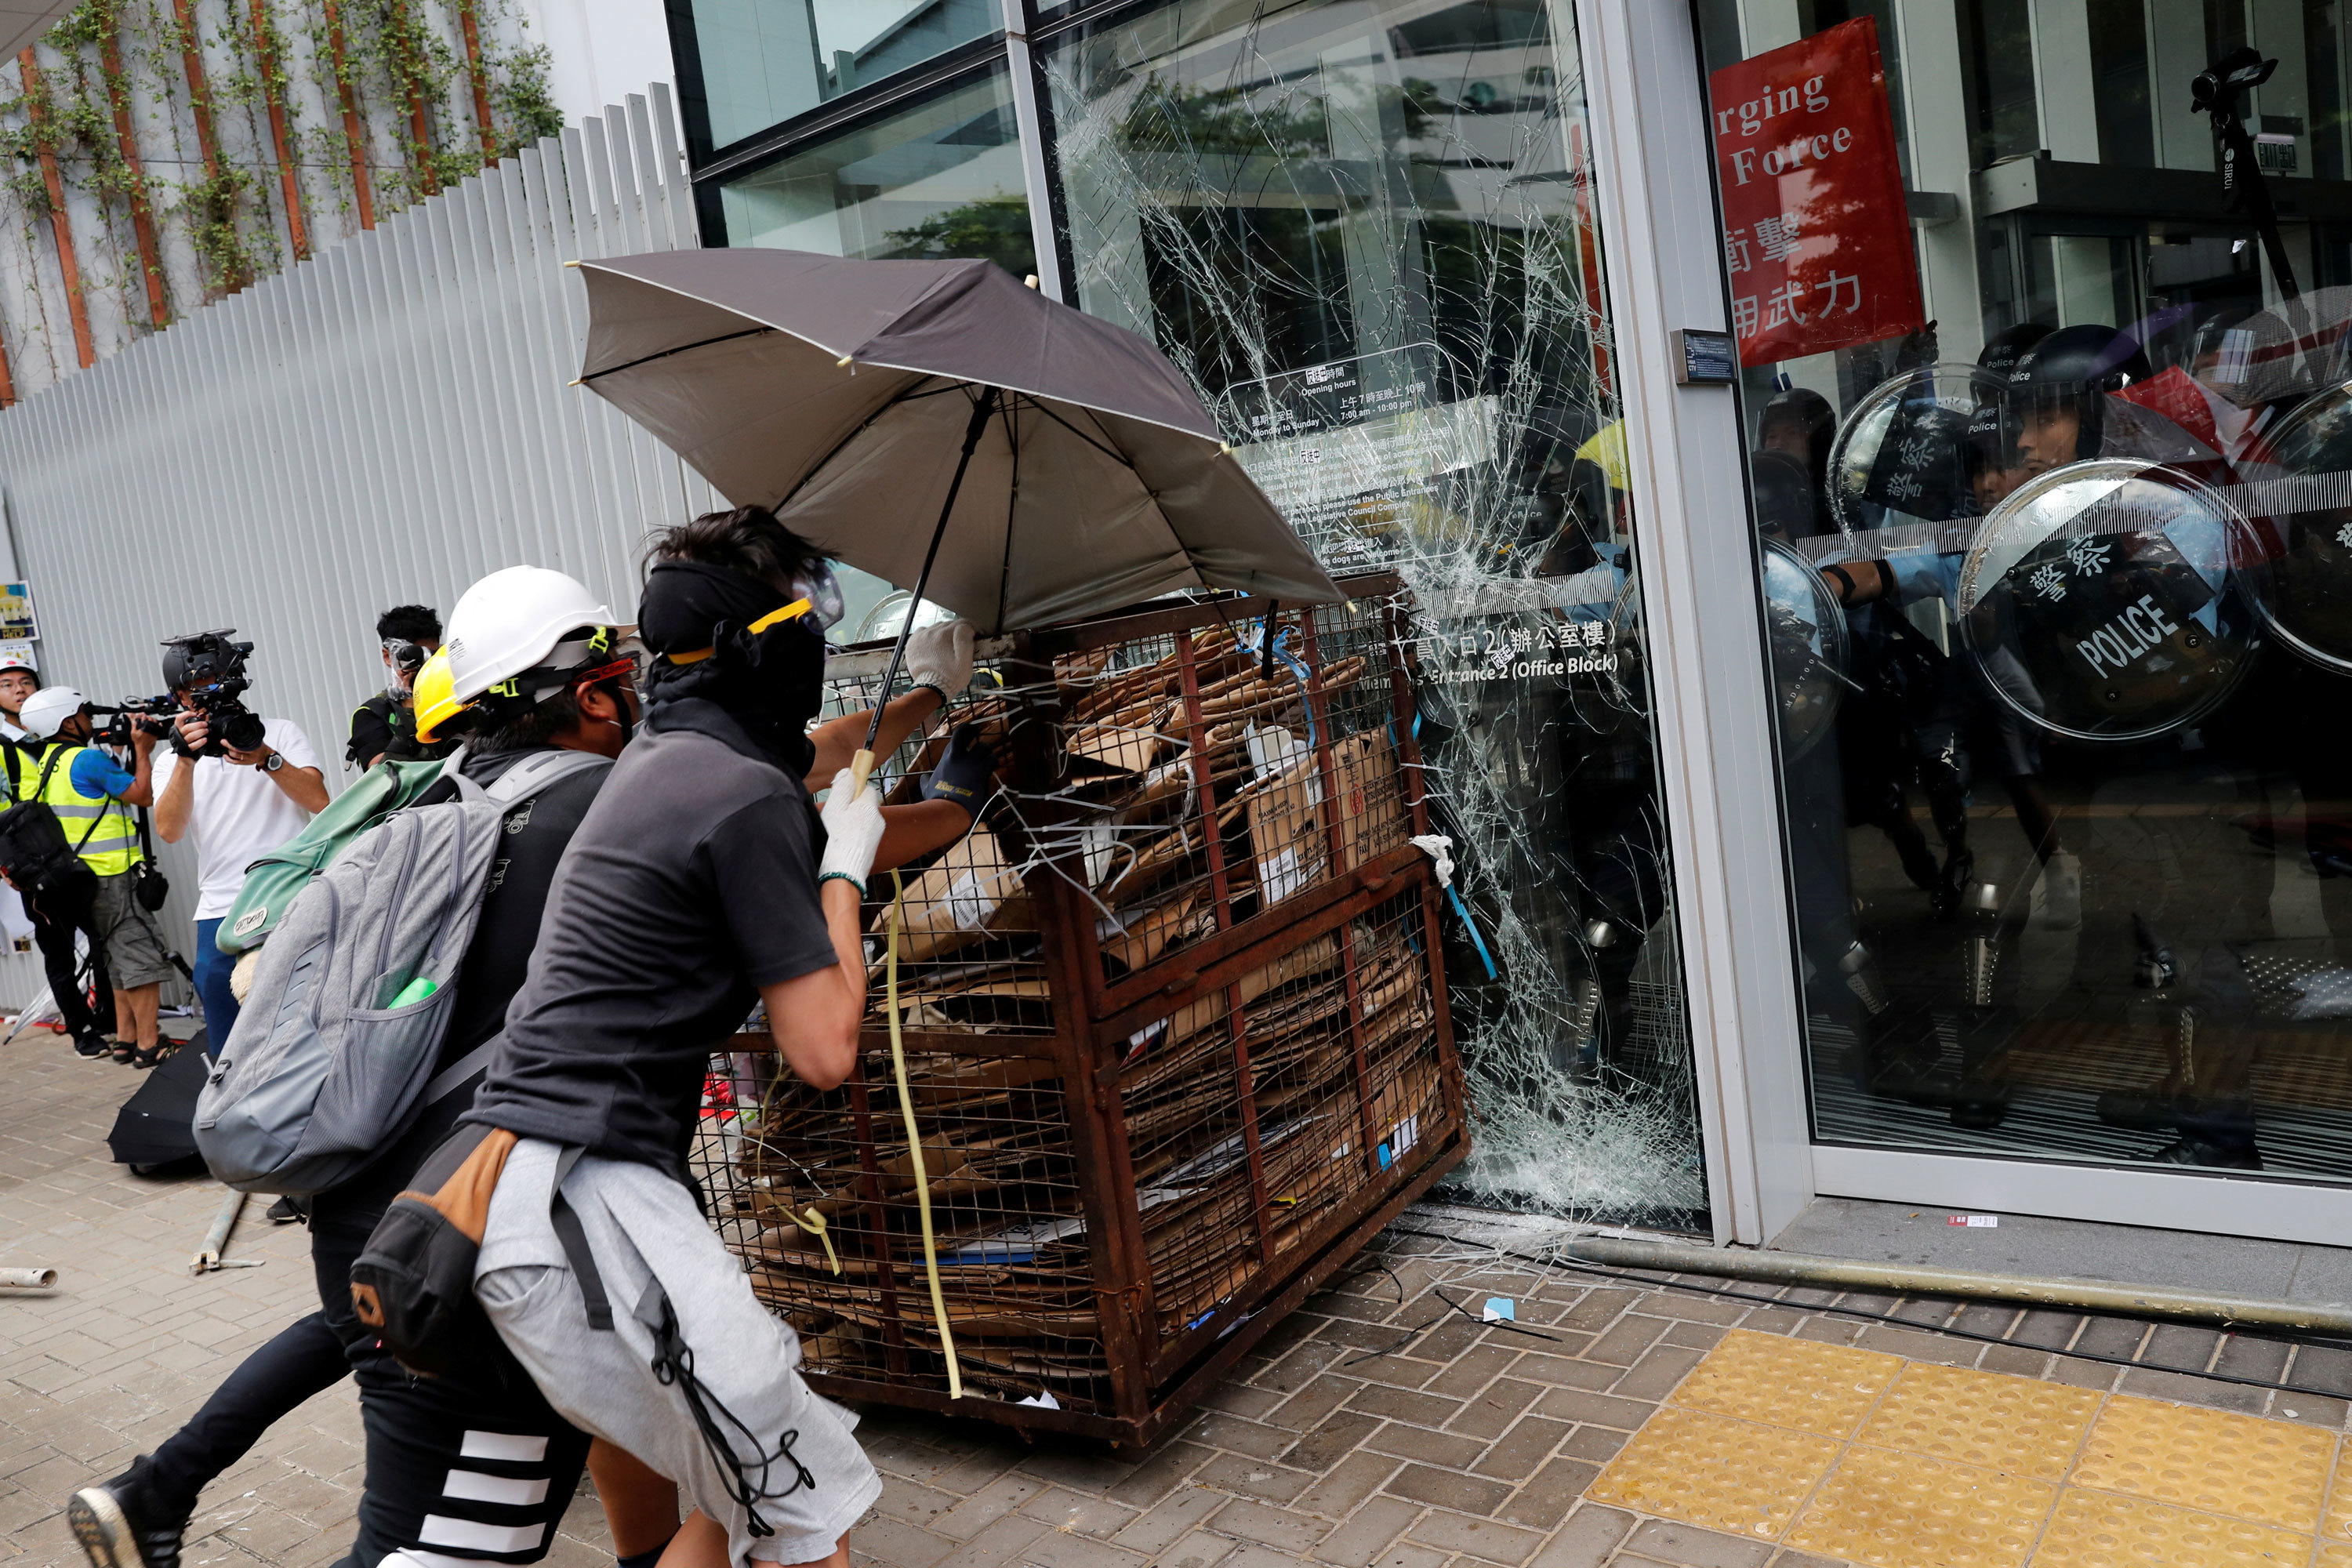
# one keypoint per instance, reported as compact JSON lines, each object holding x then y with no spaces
{"x":2076,"y":369}
{"x":2075,"y":360}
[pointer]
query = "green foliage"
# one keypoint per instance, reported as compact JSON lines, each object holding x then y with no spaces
{"x":211,"y":209}
{"x":994,"y":228}
{"x":396,"y":54}
{"x":521,"y":96}
{"x":1177,"y":117}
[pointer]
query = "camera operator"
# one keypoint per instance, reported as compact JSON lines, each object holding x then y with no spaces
{"x":243,"y":802}
{"x":386,"y":724}
{"x":93,"y":797}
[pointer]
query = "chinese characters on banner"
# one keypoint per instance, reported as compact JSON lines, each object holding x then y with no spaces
{"x":1815,"y":227}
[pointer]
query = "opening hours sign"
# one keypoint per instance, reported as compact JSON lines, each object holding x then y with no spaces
{"x":1816,"y":232}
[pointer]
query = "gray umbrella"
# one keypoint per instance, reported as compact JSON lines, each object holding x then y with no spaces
{"x":1058,"y":465}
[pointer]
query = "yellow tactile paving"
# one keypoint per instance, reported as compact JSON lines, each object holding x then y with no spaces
{"x":1715,"y":1473}
{"x":1783,"y":1382}
{"x":2272,"y":1471}
{"x":2337,"y":1522}
{"x":2010,"y":1423}
{"x":2103,"y":1530}
{"x":1872,"y":1459}
{"x":1904,"y":1510}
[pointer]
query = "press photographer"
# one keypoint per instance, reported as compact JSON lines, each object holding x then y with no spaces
{"x":246,"y":784}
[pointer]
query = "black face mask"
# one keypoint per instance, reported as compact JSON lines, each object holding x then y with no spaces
{"x":771,"y":682}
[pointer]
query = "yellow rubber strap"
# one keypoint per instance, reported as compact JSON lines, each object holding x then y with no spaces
{"x":814,"y":1223}
{"x":797,"y":607}
{"x":915,"y":1143}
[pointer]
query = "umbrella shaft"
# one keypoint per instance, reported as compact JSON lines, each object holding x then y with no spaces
{"x":981,"y":413}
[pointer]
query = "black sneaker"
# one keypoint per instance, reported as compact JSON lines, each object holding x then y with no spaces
{"x":92,"y":1043}
{"x":123,"y":1524}
{"x":2212,"y":1156}
{"x":286,"y":1211}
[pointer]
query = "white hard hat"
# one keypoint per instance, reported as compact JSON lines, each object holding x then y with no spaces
{"x":45,"y":711}
{"x":18,"y":659}
{"x":511,"y":622}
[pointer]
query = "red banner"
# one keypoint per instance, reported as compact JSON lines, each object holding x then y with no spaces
{"x":1815,"y":228}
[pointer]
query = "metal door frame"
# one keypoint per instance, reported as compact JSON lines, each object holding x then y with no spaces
{"x":1663,"y":256}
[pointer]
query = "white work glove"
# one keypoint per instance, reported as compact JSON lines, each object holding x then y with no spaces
{"x":939,"y":656}
{"x":853,"y":832}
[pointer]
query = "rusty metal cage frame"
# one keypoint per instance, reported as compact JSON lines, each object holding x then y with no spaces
{"x":1156,"y":1371}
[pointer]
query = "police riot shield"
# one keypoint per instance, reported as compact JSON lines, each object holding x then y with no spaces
{"x":2302,"y":492}
{"x":1913,"y":449}
{"x":2112,"y":600}
{"x":1805,"y":636}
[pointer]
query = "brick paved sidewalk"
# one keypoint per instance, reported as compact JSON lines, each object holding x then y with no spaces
{"x":1378,"y":1428}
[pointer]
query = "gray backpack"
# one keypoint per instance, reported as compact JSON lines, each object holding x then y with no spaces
{"x":331,"y":1057}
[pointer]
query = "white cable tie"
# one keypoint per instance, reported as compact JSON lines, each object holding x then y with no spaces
{"x":1438,"y":848}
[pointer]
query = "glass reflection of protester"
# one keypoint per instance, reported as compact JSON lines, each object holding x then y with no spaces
{"x":1606,"y":836}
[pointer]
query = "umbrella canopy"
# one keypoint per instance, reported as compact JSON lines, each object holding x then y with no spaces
{"x":838,"y":393}
{"x":156,"y":1126}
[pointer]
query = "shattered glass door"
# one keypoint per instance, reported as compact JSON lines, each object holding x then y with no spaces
{"x":1366,"y":232}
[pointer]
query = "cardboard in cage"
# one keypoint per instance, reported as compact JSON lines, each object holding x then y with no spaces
{"x":1172,"y":1023}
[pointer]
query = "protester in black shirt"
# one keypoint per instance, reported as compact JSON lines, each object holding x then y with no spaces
{"x":386,"y":724}
{"x":700,"y":881}
{"x":546,"y":633}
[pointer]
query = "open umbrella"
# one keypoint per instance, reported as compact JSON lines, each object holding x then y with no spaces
{"x":936,"y":422}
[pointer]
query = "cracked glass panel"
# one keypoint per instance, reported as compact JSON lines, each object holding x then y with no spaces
{"x":1365,"y":232}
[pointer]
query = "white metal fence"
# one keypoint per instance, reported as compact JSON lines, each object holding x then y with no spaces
{"x":380,"y":425}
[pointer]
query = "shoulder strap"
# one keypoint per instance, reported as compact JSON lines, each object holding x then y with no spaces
{"x":535,"y":773}
{"x":525,"y":779}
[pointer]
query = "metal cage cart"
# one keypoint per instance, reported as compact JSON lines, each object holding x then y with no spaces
{"x":1171,"y":1044}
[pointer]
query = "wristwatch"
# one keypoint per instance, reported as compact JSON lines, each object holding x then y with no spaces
{"x":275,"y":760}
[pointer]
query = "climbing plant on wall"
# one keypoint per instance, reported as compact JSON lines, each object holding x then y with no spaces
{"x":158,"y":154}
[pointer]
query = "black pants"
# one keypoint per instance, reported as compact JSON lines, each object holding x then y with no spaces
{"x":306,"y":1357}
{"x":475,"y":1468}
{"x":57,"y":916}
{"x":480,"y":1469}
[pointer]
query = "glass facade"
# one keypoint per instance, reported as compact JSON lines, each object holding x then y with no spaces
{"x":764,"y":61}
{"x":2039,"y":312}
{"x":1366,"y":232}
{"x":2042,"y":312}
{"x":942,"y":178}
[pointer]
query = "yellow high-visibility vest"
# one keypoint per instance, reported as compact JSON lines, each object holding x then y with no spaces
{"x":112,"y":846}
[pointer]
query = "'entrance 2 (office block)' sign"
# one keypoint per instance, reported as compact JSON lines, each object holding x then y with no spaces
{"x":1815,"y":230}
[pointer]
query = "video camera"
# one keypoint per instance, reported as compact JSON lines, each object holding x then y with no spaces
{"x":152,"y":714}
{"x":210,"y":670}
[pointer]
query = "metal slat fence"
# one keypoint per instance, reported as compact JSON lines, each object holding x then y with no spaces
{"x":381,"y":424}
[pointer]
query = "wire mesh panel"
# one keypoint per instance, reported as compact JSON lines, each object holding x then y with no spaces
{"x":1170,"y":1036}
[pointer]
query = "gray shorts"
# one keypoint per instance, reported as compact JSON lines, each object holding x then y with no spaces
{"x":134,"y":954}
{"x":642,"y":1227}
